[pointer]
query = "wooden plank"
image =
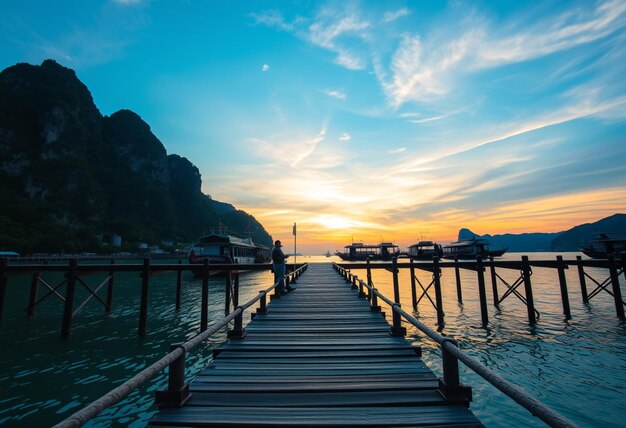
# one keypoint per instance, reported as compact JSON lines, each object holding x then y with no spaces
{"x":381,"y":416}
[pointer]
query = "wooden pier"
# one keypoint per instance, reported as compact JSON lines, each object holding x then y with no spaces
{"x":319,"y":356}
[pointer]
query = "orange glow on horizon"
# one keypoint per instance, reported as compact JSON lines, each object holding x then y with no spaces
{"x":323,"y":231}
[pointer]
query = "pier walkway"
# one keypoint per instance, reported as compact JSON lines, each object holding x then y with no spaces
{"x":318,"y":357}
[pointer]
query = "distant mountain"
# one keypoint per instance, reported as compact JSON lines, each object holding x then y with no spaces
{"x":69,"y":177}
{"x":570,"y":240}
{"x":579,"y":236}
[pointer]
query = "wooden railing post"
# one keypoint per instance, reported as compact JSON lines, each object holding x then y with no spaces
{"x":110,"y":284}
{"x":204,"y":303}
{"x":373,"y":296}
{"x":177,"y":392}
{"x":450,"y":386}
{"x":3,"y":285}
{"x":583,"y":280}
{"x":617,"y":293}
{"x":413,"y":289}
{"x":396,"y":329}
{"x":262,"y":309}
{"x":563,"y":284}
{"x":145,"y":286}
{"x":480,"y":272}
{"x":438,"y":298}
{"x":354,"y":280}
{"x":494,"y":282}
{"x":69,"y":299}
{"x":179,"y":284}
{"x":530,"y":301}
{"x":457,"y":274}
{"x":34,"y":286}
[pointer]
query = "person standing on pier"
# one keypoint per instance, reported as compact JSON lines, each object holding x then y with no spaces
{"x":278,"y":264}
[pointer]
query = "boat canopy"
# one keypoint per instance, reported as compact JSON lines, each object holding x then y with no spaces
{"x":227,"y":239}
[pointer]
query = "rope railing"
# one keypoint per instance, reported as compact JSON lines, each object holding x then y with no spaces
{"x":177,"y":388}
{"x":451,"y":354}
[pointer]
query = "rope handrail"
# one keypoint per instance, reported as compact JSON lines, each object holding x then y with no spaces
{"x":117,"y":394}
{"x":518,"y":394}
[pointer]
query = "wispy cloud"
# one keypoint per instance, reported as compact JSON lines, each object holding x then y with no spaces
{"x":265,"y":67}
{"x":423,"y":69}
{"x":398,"y":150}
{"x":128,"y":2}
{"x":272,"y":18}
{"x":345,"y":137}
{"x":334,"y":94}
{"x":395,"y":14}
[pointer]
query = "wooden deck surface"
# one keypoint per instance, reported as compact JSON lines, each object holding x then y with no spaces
{"x":319,"y":357}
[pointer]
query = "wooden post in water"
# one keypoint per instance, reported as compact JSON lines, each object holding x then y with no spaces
{"x":110,"y":288}
{"x":69,"y":299}
{"x":530,"y":301}
{"x":145,"y":287}
{"x":204,"y":304}
{"x":494,"y":282}
{"x":438,"y":299}
{"x":480,"y":272}
{"x":238,"y":330}
{"x":563,"y":283}
{"x":583,"y":280}
{"x":3,"y":285}
{"x":396,"y":329}
{"x":413,"y":289}
{"x":179,"y":284}
{"x":227,"y":289}
{"x":459,"y":293}
{"x":34,"y":286}
{"x":617,"y":293}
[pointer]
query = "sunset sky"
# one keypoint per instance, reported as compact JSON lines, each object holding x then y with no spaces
{"x":363,"y":120}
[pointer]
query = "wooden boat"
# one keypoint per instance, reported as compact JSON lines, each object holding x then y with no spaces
{"x":470,"y":249}
{"x":226,"y":249}
{"x":357,"y":251}
{"x":604,"y":246}
{"x":424,"y":250}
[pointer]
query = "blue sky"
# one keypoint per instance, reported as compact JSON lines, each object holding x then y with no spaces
{"x":365,"y":120}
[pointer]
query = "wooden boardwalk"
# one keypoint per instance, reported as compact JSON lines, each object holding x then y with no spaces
{"x":319,"y":357}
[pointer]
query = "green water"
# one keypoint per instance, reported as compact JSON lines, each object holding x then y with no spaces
{"x":576,"y":366}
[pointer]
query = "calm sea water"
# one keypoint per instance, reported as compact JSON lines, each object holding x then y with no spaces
{"x":577,"y":366}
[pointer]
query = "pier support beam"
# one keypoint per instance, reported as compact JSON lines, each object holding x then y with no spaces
{"x":179,"y":285}
{"x":617,"y":292}
{"x":145,"y":287}
{"x":528,"y":288}
{"x":69,"y":299}
{"x":413,"y":288}
{"x":438,"y":298}
{"x":494,"y":282}
{"x":204,"y":304}
{"x":480,"y":272}
{"x":561,"y":266}
{"x":110,"y":284}
{"x":32,"y":300}
{"x":457,"y":274}
{"x":583,"y":280}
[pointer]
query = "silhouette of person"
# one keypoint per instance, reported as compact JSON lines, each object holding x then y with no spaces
{"x":278,"y":264}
